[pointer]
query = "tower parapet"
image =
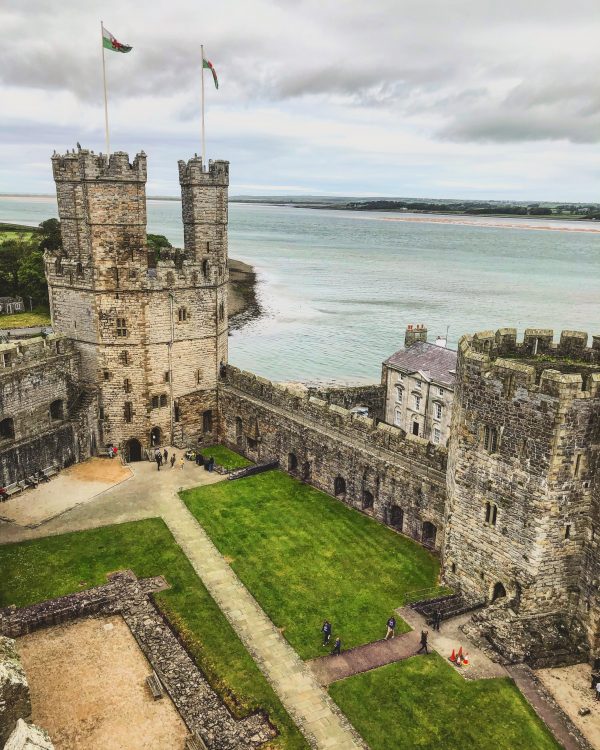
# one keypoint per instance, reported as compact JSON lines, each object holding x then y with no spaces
{"x":521,"y":478}
{"x":83,"y":164}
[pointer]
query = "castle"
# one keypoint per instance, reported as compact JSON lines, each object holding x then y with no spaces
{"x":138,"y":359}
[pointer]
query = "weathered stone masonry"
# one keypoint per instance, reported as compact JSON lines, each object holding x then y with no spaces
{"x":398,"y":478}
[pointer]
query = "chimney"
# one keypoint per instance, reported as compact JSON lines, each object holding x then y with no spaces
{"x":414,"y":333}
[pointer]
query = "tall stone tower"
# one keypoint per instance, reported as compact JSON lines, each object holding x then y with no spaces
{"x":523,"y":492}
{"x":151,"y":329}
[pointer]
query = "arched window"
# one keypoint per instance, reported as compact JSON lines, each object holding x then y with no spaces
{"x":339,"y":486}
{"x":499,"y":591}
{"x":182,"y":314}
{"x":79,"y":269}
{"x":368,"y":500}
{"x":490,"y":438}
{"x":292,"y":462}
{"x":57,"y":409}
{"x":398,"y":417}
{"x":7,"y":428}
{"x":205,"y":268}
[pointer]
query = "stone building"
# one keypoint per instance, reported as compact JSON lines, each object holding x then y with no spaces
{"x":9,"y":305}
{"x":419,"y":387}
{"x":522,"y":509}
{"x":151,"y":330}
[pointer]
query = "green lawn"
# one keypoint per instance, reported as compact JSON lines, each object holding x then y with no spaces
{"x":39,"y":317}
{"x":306,"y":556}
{"x":226,"y":458}
{"x":423,"y":703}
{"x":58,"y":565}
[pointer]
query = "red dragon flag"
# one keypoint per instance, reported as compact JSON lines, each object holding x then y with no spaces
{"x":111,"y":42}
{"x":207,"y":64}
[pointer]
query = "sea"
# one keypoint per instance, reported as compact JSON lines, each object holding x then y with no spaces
{"x":338,"y":288}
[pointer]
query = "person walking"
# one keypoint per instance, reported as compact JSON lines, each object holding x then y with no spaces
{"x":423,"y":642}
{"x":173,"y":459}
{"x":326,"y":630}
{"x":181,"y":462}
{"x":165,"y":456}
{"x":437,"y":620}
{"x":158,"y":459}
{"x":391,"y":628}
{"x":337,"y":647}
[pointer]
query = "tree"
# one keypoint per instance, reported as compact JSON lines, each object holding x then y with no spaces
{"x":51,"y":237}
{"x":156,"y":241}
{"x":11,"y":253}
{"x":32,"y":280}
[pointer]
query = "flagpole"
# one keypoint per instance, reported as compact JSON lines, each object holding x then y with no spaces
{"x":203,"y":138}
{"x":105,"y":96}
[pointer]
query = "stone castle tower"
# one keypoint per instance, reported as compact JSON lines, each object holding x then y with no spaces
{"x":524,"y":491}
{"x":151,"y":328}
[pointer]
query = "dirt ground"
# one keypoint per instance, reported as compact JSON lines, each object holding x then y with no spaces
{"x":570,"y":688}
{"x":109,"y":470}
{"x":88,"y":689}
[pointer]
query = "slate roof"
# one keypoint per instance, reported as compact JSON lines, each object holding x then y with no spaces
{"x":436,"y":362}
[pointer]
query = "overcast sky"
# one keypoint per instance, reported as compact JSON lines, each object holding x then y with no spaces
{"x":433,"y":98}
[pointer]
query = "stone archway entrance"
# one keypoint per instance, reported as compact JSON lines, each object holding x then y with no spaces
{"x":499,"y":591}
{"x":429,"y":534}
{"x":133,"y":450}
{"x":155,"y":437}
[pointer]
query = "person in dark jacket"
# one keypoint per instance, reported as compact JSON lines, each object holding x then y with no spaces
{"x":423,"y":642}
{"x":326,"y":630}
{"x":337,"y":647}
{"x":391,"y":628}
{"x":165,"y":456}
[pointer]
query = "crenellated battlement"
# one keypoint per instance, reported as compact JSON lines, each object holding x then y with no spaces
{"x":193,"y":172}
{"x":537,"y":363}
{"x":28,"y":352}
{"x":81,"y":164}
{"x":321,"y":413}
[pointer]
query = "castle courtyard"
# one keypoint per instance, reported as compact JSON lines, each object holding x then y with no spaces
{"x":209,"y":604}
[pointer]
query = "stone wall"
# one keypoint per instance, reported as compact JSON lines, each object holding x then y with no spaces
{"x":371,"y":396}
{"x":397,"y":478}
{"x":15,"y":703}
{"x":522,"y":463}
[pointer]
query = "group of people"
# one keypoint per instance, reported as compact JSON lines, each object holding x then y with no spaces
{"x":163,"y":458}
{"x":112,"y":451}
{"x":326,"y":629}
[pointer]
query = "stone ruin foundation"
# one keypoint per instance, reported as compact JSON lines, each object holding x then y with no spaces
{"x":203,"y":712}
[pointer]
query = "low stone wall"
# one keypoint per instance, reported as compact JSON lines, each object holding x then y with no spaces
{"x":399,"y":479}
{"x":199,"y":706}
{"x":15,"y":703}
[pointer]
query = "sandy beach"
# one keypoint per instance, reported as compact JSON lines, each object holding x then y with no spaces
{"x":465,"y":222}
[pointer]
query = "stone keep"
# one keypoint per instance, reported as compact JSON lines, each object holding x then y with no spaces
{"x":151,"y":328}
{"x":522,"y":508}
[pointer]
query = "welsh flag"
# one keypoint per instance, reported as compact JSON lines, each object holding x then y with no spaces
{"x":207,"y":64}
{"x":111,"y":42}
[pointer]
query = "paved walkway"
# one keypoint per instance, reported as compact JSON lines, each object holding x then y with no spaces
{"x":328,"y":669}
{"x":151,"y":494}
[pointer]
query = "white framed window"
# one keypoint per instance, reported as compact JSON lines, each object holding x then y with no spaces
{"x":437,"y":411}
{"x":417,"y":402}
{"x":441,"y":391}
{"x":398,"y":417}
{"x":399,"y":395}
{"x":437,"y":435}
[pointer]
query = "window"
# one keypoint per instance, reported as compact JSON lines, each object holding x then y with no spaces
{"x":418,"y":384}
{"x":207,"y":421}
{"x":167,"y":377}
{"x":292,"y":462}
{"x":399,"y":395}
{"x":106,"y":375}
{"x":7,"y":428}
{"x":221,"y":311}
{"x":101,"y":413}
{"x":198,"y":376}
{"x":58,"y":267}
{"x":437,"y":411}
{"x":124,"y":357}
{"x":121,"y":327}
{"x":568,"y":531}
{"x":182,"y":314}
{"x":128,"y":411}
{"x":437,"y":435}
{"x":415,"y":428}
{"x":207,"y":246}
{"x":417,"y":402}
{"x":127,"y":385}
{"x":205,"y":268}
{"x":339,"y":486}
{"x":57,"y":409}
{"x":490,"y":439}
{"x":79,"y":269}
{"x":577,"y":464}
{"x":491,"y":513}
{"x":176,"y":413}
{"x":155,"y":402}
{"x":6,"y":359}
{"x":163,"y":399}
{"x":398,"y":417}
{"x":400,"y":376}
{"x":440,"y":391}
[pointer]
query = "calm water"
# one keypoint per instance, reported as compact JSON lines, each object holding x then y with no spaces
{"x":339,"y":287}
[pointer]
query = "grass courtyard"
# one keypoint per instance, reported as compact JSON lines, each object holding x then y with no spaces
{"x":306,"y":556}
{"x":423,"y":703}
{"x":26,"y":319}
{"x":226,"y":458}
{"x":54,"y":566}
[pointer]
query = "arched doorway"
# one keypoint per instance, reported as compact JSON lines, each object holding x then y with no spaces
{"x":133,"y":450}
{"x":306,"y":471}
{"x":292,"y":462}
{"x":429,"y":534}
{"x":155,"y":437}
{"x":339,"y":486}
{"x":397,"y":517}
{"x":499,"y":591}
{"x":368,"y":500}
